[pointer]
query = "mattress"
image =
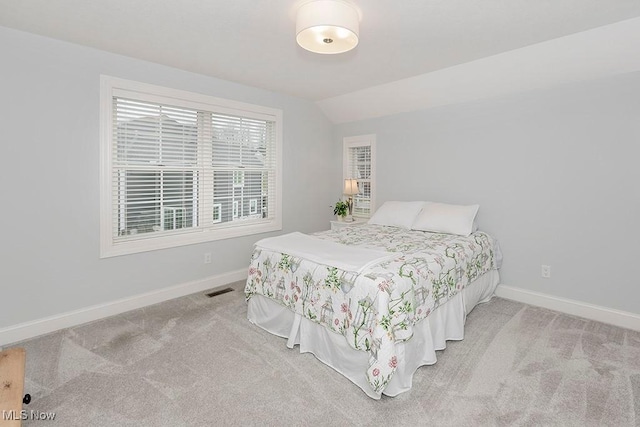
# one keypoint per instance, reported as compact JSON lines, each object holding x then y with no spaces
{"x":366,"y":321}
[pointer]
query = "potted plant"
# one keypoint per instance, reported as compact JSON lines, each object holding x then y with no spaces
{"x":341,"y":209}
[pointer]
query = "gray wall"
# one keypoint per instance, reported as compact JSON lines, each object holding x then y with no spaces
{"x":49,"y":177}
{"x":555,"y":173}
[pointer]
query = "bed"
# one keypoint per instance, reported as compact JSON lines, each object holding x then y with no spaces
{"x":374,"y":302}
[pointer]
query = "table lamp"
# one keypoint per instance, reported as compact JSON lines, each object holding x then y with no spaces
{"x":350,"y":189}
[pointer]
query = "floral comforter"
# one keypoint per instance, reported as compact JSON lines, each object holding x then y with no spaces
{"x":379,"y":307}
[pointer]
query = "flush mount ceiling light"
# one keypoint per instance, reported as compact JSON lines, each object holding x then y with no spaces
{"x":327,"y":26}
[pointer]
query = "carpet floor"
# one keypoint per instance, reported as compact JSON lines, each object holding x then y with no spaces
{"x":197,"y":361}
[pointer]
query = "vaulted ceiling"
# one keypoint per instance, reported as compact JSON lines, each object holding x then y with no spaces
{"x":253,"y":41}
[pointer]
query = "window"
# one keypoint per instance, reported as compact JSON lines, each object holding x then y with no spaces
{"x":179,"y":168}
{"x":173,"y":218}
{"x":217,"y":215}
{"x":238,"y":179}
{"x":359,"y":163}
{"x":236,"y":209}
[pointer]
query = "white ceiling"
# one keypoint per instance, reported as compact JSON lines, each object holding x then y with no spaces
{"x":593,"y":54}
{"x":253,"y":41}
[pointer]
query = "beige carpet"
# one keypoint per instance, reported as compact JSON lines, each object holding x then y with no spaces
{"x":197,"y":361}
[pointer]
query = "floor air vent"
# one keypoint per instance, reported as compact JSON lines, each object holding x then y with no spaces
{"x":220,"y":292}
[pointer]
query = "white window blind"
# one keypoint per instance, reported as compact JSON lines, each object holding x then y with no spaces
{"x":359,"y":164}
{"x":181,"y":167}
{"x":155,"y":168}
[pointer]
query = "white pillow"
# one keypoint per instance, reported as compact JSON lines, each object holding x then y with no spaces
{"x":397,"y":214}
{"x":445,"y":218}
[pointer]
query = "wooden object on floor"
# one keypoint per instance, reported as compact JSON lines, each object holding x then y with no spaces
{"x":12,"y":364}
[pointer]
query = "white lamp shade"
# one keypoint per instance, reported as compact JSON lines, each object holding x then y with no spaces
{"x":351,"y":187}
{"x":327,"y":26}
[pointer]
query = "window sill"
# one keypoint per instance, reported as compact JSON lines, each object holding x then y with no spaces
{"x":126,"y":247}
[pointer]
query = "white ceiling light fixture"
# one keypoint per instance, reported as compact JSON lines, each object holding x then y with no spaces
{"x":327,"y":26}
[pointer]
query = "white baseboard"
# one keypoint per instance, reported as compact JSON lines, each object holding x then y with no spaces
{"x":611,"y":316}
{"x":23,"y":331}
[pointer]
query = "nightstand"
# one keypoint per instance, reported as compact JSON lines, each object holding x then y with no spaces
{"x":339,"y":225}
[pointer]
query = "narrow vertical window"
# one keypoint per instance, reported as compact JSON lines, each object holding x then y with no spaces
{"x":359,"y":164}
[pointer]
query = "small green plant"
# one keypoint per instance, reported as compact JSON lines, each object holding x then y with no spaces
{"x":341,"y":208}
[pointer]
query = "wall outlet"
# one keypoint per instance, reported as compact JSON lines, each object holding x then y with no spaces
{"x":207,"y":258}
{"x":546,"y":271}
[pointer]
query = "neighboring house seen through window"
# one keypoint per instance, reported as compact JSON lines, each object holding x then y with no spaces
{"x":181,"y":168}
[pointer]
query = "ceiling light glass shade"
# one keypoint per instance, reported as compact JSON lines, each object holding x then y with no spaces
{"x":327,"y":26}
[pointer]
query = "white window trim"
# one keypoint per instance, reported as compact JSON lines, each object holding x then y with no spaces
{"x":108,"y":248}
{"x":360,"y":141}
